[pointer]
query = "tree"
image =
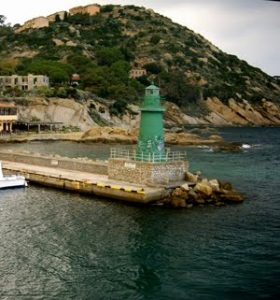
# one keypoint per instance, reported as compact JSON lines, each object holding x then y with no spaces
{"x":153,"y":68}
{"x":82,"y":19}
{"x":120,"y":70}
{"x":8,"y":66}
{"x":2,"y":20}
{"x":107,"y":56}
{"x":58,"y":72}
{"x":57,"y":19}
{"x":176,"y":89}
{"x":65,"y":17}
{"x":80,"y":62}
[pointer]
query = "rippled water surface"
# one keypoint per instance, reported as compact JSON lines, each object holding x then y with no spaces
{"x":59,"y":245}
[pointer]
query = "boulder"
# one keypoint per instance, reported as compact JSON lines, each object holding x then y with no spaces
{"x":227,"y":147}
{"x":204,"y":180}
{"x":219,"y":204}
{"x":185,"y":187}
{"x":193,"y":196}
{"x":180,"y":193}
{"x":215,"y":137}
{"x":204,"y":189}
{"x":214,"y":183}
{"x":178,"y":202}
{"x":200,"y":201}
{"x":191,"y":177}
{"x":226,"y":186}
{"x":232,"y":196}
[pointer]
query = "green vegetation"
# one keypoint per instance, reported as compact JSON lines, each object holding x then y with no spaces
{"x":97,"y":118}
{"x":59,"y":73}
{"x":103,"y":48}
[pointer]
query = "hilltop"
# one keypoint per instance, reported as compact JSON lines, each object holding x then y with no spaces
{"x":201,"y":83}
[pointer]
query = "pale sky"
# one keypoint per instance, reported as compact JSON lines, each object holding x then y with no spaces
{"x":249,"y":29}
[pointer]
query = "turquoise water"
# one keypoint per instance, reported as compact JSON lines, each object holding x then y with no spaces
{"x":59,"y":245}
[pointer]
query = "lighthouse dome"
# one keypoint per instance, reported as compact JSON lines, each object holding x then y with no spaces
{"x":152,"y":90}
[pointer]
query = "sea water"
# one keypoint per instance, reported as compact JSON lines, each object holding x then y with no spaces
{"x":59,"y":245}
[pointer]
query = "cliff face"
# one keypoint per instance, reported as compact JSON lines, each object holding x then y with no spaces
{"x":67,"y":111}
{"x":233,"y":113}
{"x":94,"y":113}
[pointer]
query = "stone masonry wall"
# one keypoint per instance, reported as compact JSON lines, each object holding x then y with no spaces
{"x":84,"y":165}
{"x":61,"y":15}
{"x":146,"y":172}
{"x":38,"y":22}
{"x":91,"y":9}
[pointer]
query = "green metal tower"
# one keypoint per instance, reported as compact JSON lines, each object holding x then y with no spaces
{"x":151,"y":135}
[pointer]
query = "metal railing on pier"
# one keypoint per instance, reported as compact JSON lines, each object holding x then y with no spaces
{"x":168,"y":156}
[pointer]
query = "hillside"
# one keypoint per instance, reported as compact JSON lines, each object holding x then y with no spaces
{"x":192,"y":73}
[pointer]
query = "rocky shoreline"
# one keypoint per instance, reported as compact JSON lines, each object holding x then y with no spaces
{"x":118,"y":135}
{"x":198,"y":191}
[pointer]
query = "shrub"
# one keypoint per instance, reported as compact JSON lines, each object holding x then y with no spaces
{"x":153,"y":68}
{"x":58,"y":72}
{"x":118,"y":108}
{"x":106,"y":8}
{"x":107,"y":56}
{"x":177,"y":90}
{"x":155,"y":39}
{"x":82,"y":19}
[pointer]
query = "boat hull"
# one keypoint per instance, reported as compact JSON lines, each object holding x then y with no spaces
{"x":12,"y":182}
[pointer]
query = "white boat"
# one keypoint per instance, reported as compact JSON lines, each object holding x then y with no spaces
{"x":11,"y":181}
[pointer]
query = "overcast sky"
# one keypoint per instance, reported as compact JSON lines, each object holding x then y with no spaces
{"x":249,"y":29}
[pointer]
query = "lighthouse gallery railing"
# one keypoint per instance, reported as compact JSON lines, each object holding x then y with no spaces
{"x":151,"y":157}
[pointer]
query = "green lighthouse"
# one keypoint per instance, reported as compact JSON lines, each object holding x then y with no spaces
{"x":151,"y":134}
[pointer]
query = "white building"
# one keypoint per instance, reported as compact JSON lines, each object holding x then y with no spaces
{"x":24,"y":83}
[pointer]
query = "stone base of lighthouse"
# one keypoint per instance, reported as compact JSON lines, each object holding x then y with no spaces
{"x":147,"y":172}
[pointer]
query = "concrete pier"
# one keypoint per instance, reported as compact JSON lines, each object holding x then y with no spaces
{"x":48,"y":171}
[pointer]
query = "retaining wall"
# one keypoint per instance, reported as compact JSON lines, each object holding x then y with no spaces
{"x":146,"y":172}
{"x":83,"y":165}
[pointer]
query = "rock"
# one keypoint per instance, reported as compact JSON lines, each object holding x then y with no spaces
{"x":58,"y":42}
{"x":71,"y":44}
{"x":204,"y":180}
{"x":203,"y":188}
{"x":67,"y":111}
{"x":191,"y":177}
{"x":198,"y":173}
{"x":163,"y":202}
{"x":226,"y":186}
{"x":192,"y":196}
{"x":232,"y":197}
{"x":247,"y":112}
{"x":215,"y":137}
{"x":226,"y":113}
{"x":227,"y":147}
{"x":200,"y":201}
{"x":110,"y":134}
{"x":214,"y":183}
{"x":178,"y":203}
{"x":210,"y":200}
{"x":185,"y":187}
{"x":180,"y":193}
{"x":176,"y":129}
{"x":219,"y":204}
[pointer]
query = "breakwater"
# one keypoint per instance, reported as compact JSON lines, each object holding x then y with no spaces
{"x":84,"y":175}
{"x":77,"y":174}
